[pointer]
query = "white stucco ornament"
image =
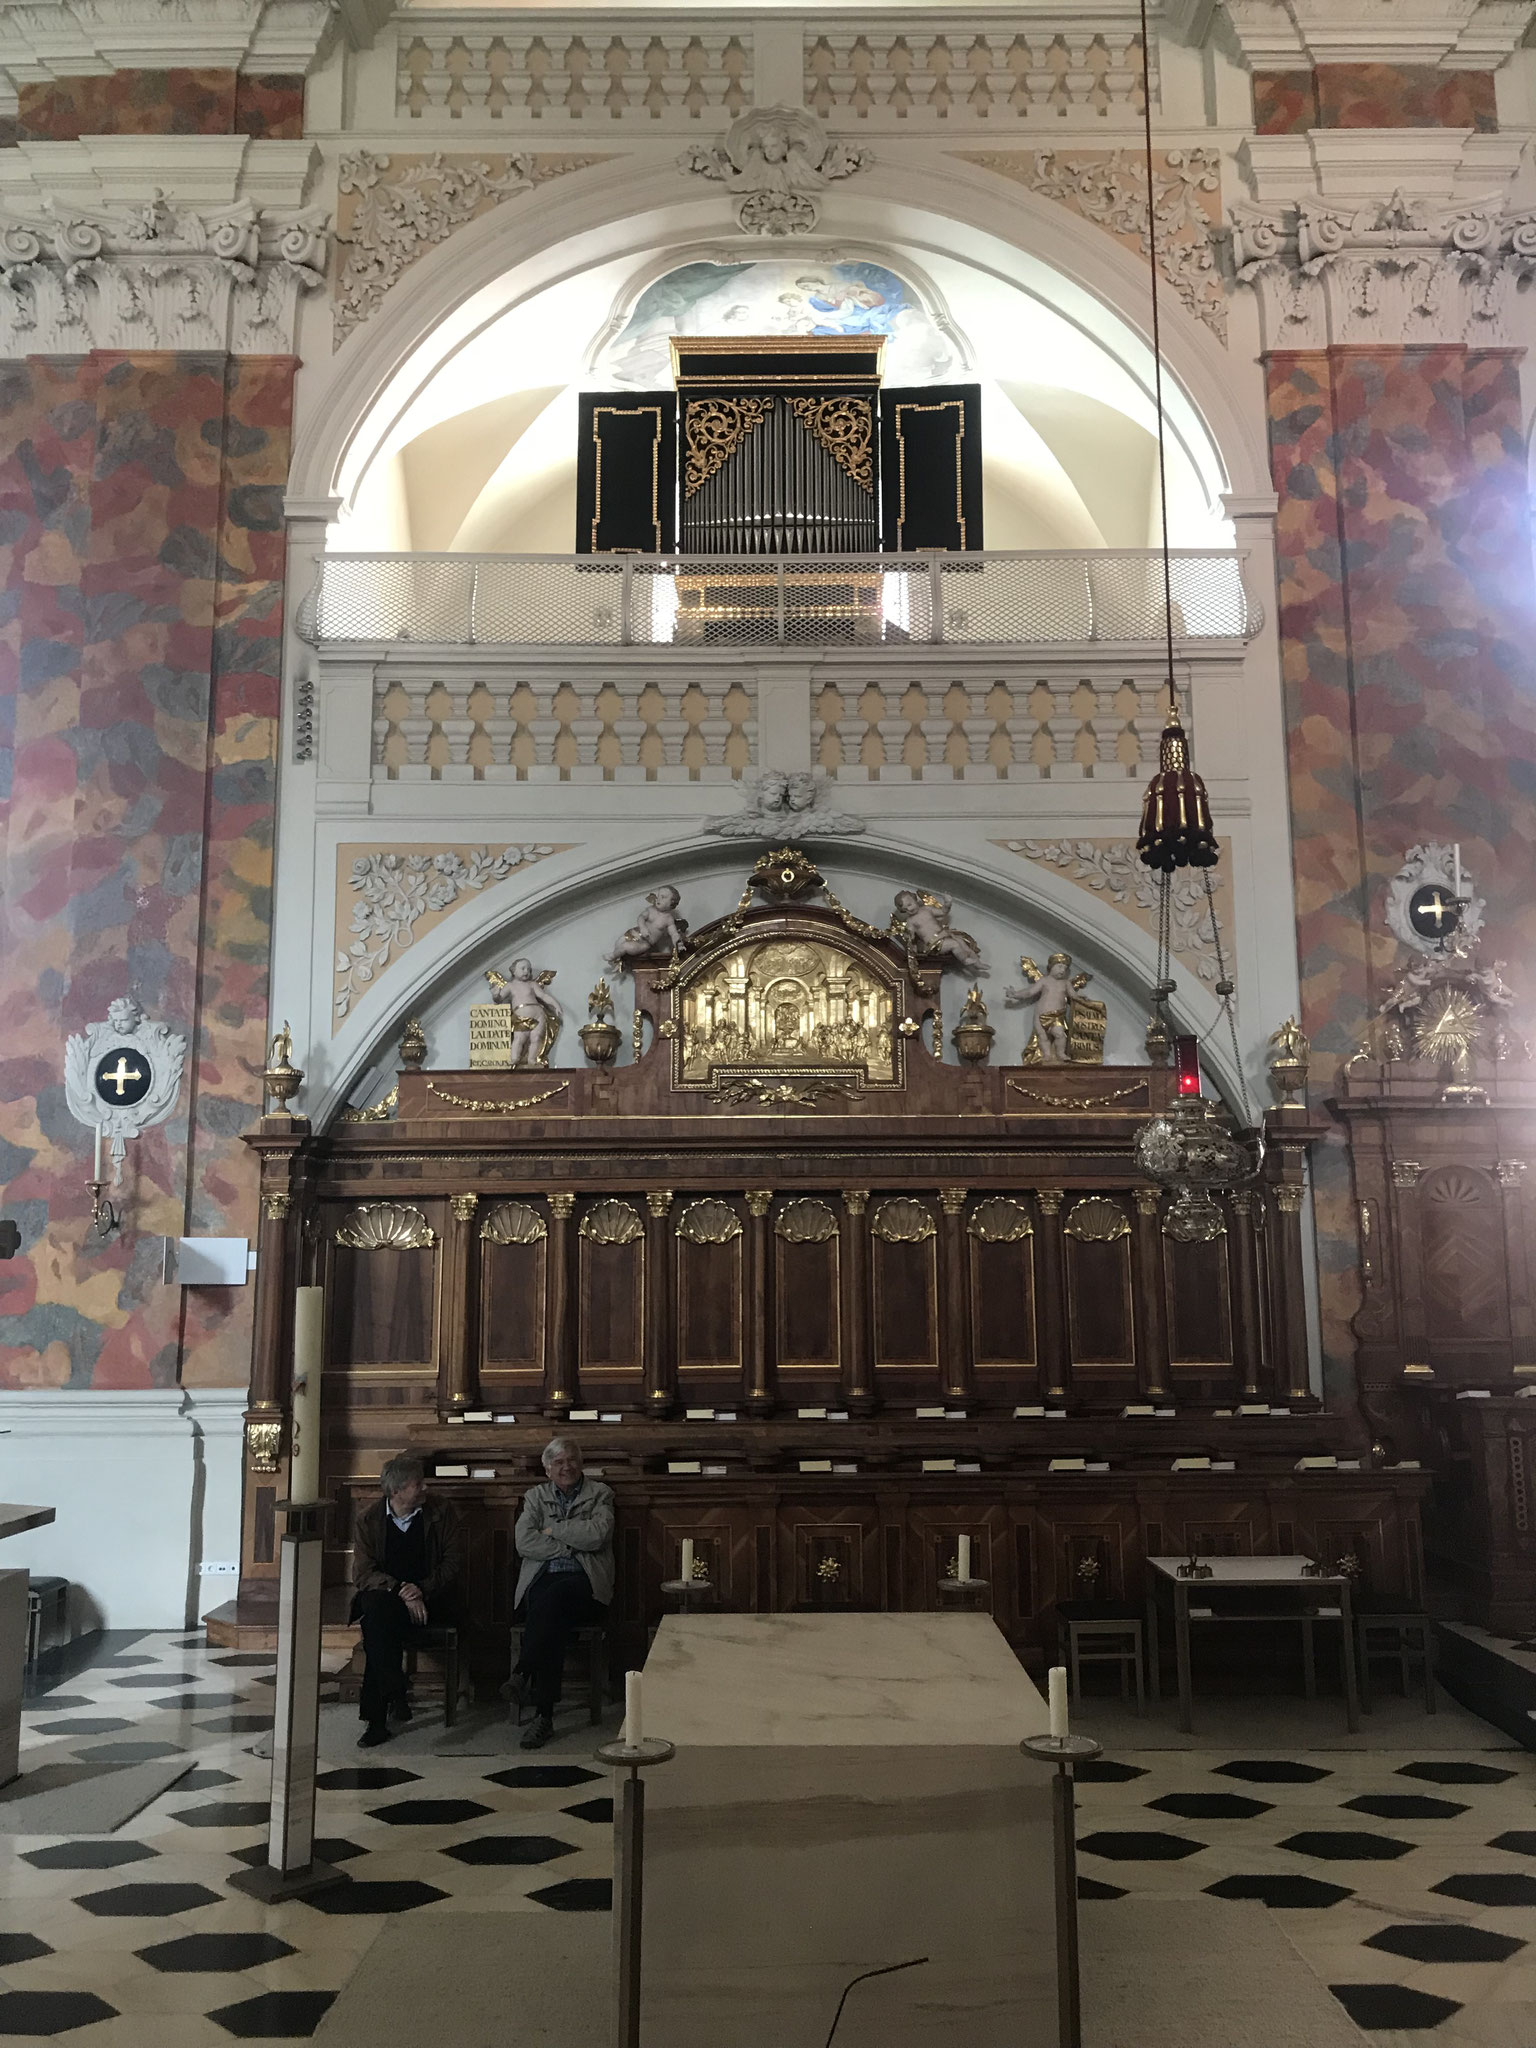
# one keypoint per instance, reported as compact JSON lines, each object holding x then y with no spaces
{"x":775,"y":161}
{"x":1422,"y":907}
{"x":123,"y":1076}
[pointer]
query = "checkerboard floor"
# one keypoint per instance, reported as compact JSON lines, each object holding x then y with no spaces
{"x":1407,"y":1880}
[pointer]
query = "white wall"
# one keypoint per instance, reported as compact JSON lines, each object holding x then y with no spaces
{"x":147,"y":1488}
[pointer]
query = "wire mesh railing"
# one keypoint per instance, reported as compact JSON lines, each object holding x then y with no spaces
{"x":683,"y":601}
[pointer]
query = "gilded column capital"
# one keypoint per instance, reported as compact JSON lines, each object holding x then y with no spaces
{"x":464,"y":1207}
{"x":1511,"y":1172}
{"x":1405,"y":1173}
{"x":855,"y":1200}
{"x":658,"y":1200}
{"x":1288,"y":1200}
{"x":952,"y":1200}
{"x":1050,"y":1200}
{"x":561,"y":1205}
{"x":275,"y":1205}
{"x":759,"y":1200}
{"x":1147,"y":1201}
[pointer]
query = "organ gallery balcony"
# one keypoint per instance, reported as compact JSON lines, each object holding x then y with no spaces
{"x":1093,"y":597}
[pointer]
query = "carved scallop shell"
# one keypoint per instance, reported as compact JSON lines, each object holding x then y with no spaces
{"x":1097,"y":1220}
{"x":1000,"y":1220}
{"x":385,"y":1226}
{"x":513,"y":1223}
{"x":806,"y":1222}
{"x":902,"y":1220}
{"x":612,"y":1222}
{"x":709,"y":1222}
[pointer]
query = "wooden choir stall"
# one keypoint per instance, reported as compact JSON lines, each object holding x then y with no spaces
{"x":810,"y":1296}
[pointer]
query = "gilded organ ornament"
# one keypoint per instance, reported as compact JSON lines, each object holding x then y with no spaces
{"x":536,"y":1016}
{"x":921,"y":922}
{"x":787,"y":1003}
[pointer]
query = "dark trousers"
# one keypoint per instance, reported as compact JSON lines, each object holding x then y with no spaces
{"x":556,"y":1604}
{"x":387,"y":1628}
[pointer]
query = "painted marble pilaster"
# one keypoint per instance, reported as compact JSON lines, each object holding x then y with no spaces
{"x":186,"y":102}
{"x":1405,"y":603}
{"x":1373,"y":96}
{"x":142,"y":553}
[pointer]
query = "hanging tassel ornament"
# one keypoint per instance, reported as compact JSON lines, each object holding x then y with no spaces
{"x":1176,"y":829}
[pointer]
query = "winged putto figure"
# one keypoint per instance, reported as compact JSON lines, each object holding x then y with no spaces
{"x":1069,"y":1026}
{"x":536,"y":1016}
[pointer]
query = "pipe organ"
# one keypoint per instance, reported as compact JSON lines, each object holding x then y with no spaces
{"x":779,"y":446}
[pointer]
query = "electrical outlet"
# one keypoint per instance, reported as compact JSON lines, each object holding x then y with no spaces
{"x":221,"y":1570}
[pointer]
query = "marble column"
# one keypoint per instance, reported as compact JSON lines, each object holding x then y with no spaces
{"x":858,"y":1372}
{"x":559,"y":1325}
{"x":457,"y":1380}
{"x":1053,"y":1295}
{"x":659,"y":1389}
{"x":754,"y":1304}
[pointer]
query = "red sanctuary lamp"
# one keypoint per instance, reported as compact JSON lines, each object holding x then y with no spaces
{"x":1186,"y":1060}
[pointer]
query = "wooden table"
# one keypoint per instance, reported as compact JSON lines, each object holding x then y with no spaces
{"x":1236,"y":1591}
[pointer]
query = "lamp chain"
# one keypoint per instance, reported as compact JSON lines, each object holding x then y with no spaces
{"x":1157,"y":354}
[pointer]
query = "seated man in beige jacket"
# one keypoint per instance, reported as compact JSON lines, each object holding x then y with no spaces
{"x":565,"y":1542}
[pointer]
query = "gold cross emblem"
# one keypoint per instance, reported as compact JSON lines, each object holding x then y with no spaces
{"x":1436,"y":906}
{"x":122,"y":1073}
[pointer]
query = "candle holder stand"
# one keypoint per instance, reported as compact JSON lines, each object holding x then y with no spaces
{"x":1064,"y":1751}
{"x":628,"y":1875}
{"x":686,"y":1591}
{"x":967,"y":1592}
{"x":290,"y":1871}
{"x":105,"y":1218}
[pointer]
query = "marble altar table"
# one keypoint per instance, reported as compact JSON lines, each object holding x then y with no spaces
{"x":14,"y":1519}
{"x":847,"y":1793}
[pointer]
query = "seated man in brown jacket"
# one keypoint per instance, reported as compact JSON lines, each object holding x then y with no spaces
{"x":406,"y":1564}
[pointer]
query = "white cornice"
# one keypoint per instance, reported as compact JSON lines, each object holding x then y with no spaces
{"x":195,"y":170}
{"x":1356,"y":165}
{"x":1287,"y":35}
{"x":42,"y":40}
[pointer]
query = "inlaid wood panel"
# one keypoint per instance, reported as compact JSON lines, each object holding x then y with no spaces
{"x":512,"y":1298}
{"x":610,"y":1289}
{"x":807,"y":1283}
{"x":903,"y":1264}
{"x":1199,"y":1304}
{"x":1465,"y":1290}
{"x":1101,"y":1323}
{"x":709,"y":1304}
{"x":380,"y":1305}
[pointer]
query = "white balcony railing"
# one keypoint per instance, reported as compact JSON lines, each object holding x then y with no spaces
{"x":685,"y":601}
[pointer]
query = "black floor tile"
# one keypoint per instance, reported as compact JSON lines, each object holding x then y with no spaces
{"x":156,"y":1681}
{"x":188,"y":1643}
{"x":379,"y":1895}
{"x":87,"y":1855}
{"x":1448,"y":1771}
{"x":83,"y":1724}
{"x":55,"y":1702}
{"x":1139,"y":1845}
{"x":240,"y":1660}
{"x":1106,"y":1770}
{"x":1425,"y":1941}
{"x":429,"y":1813}
{"x":1344,"y":1845}
{"x":328,"y":1849}
{"x":51,"y":2012}
{"x":204,"y":1781}
{"x":509,"y":1849}
{"x":1271,"y":1888}
{"x":1091,"y":1888}
{"x":147,"y":1901}
{"x":1385,"y":2006}
{"x":235,"y":1724}
{"x":198,"y":1702}
{"x":598,"y":1810}
{"x":365,"y":1778}
{"x":215,"y":1952}
{"x":1519,"y":1842}
{"x":1272,"y":1771}
{"x":542,"y":1774}
{"x":225,"y":1813}
{"x":1210,"y":1805}
{"x":275,"y":2015}
{"x":578,"y":1895}
{"x":1404,"y":1806}
{"x":130,"y":1752}
{"x":1489,"y":1888}
{"x":21,"y":1948}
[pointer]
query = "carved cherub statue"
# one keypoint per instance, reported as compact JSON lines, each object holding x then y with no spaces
{"x":536,"y":1016}
{"x":658,"y":929}
{"x":1069,"y":1026}
{"x":921,"y":921}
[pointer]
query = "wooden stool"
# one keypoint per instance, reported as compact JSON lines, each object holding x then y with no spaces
{"x":445,"y":1641}
{"x":592,"y":1638}
{"x":1408,"y":1638}
{"x":1116,"y":1629}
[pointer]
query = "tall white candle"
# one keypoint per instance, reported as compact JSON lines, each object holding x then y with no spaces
{"x":1058,"y":1699}
{"x":964,"y":1571}
{"x":634,"y":1725}
{"x":687,"y":1573}
{"x":1456,"y":881}
{"x":308,"y":1353}
{"x":96,"y":1169}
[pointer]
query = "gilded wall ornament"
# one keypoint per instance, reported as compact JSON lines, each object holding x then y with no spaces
{"x":921,"y":922}
{"x":714,"y":428}
{"x":1000,"y":1220}
{"x":709,"y":1222}
{"x":973,"y":1036}
{"x":902,"y":1219}
{"x":281,"y":1079}
{"x":1289,"y":1054}
{"x":787,"y":1003}
{"x":805,"y":1221}
{"x":845,"y":427}
{"x":1423,"y":909}
{"x":263,"y":1442}
{"x":124,"y":1076}
{"x":1097,"y":1220}
{"x":536,"y":1015}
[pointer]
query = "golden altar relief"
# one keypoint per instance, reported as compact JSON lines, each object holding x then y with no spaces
{"x":787,"y":1002}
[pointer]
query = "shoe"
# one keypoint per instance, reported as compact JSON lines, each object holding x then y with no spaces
{"x":375,"y":1733}
{"x":516,"y":1690}
{"x":538,"y":1732}
{"x":400,"y":1709}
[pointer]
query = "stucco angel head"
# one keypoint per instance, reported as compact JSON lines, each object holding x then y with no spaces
{"x":665,"y":898}
{"x":124,"y":1014}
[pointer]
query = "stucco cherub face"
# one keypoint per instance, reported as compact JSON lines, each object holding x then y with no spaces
{"x":664,"y":898}
{"x":522,"y":970}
